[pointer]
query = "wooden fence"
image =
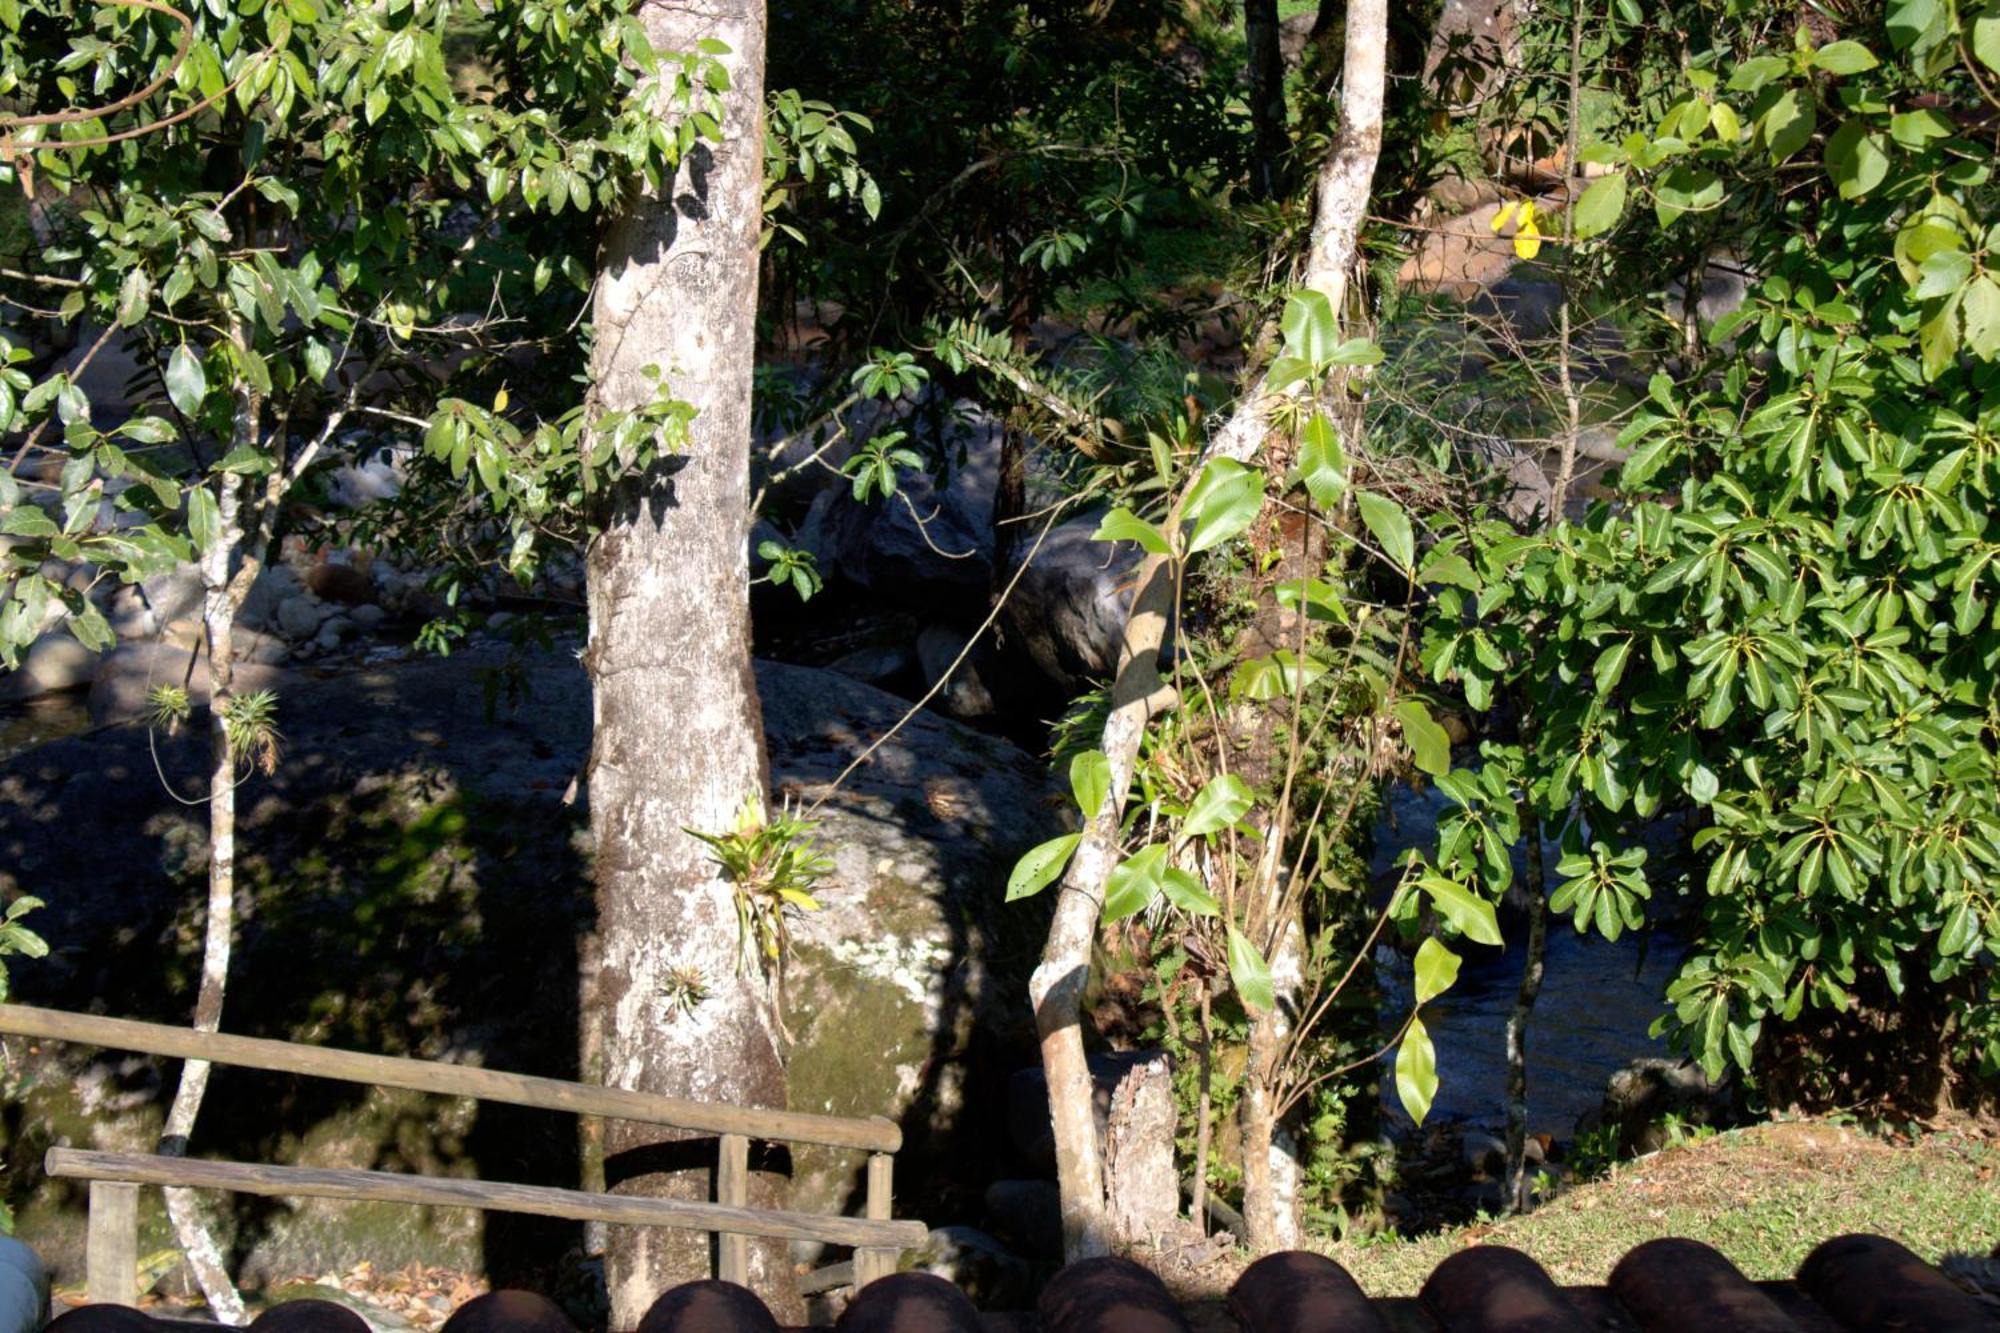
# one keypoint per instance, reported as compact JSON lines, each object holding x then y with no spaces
{"x":115,"y":1178}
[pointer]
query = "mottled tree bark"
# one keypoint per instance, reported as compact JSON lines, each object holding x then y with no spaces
{"x":677,"y":729}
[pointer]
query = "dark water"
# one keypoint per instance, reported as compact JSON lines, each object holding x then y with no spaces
{"x":1597,"y":1000}
{"x":23,"y":726}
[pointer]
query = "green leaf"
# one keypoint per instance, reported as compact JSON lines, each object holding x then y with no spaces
{"x":204,"y":519}
{"x":1985,"y":36}
{"x":1224,"y":501}
{"x":1416,"y":1071}
{"x":1039,"y":866}
{"x":1250,"y":974}
{"x":1322,"y":462}
{"x":1430,"y":744}
{"x":1437,"y":969}
{"x":1391,"y":527}
{"x":1600,"y":206}
{"x":1216,"y":806}
{"x":1090,"y":781}
{"x":1311,"y":329}
{"x":1788,"y":125}
{"x":187,"y":385}
{"x":1856,"y":159}
{"x":1185,"y":892}
{"x":1471,"y":915}
{"x":1844,"y":57}
{"x":1122,"y":525}
{"x":1981,"y":311}
{"x":1135,"y":882}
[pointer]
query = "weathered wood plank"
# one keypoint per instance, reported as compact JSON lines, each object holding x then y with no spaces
{"x":542,"y":1200}
{"x":873,"y":1135}
{"x":732,"y":1188}
{"x":872,"y":1263}
{"x":111,"y":1256}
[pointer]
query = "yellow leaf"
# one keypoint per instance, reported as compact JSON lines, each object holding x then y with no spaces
{"x":1528,"y":240}
{"x":1500,"y":218}
{"x":500,"y":400}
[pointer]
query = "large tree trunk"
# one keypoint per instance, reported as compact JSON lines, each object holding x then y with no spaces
{"x":678,"y":738}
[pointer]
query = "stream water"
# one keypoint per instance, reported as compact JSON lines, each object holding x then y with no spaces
{"x":1597,"y":1000}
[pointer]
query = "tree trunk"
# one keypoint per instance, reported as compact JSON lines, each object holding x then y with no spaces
{"x":678,"y":737}
{"x":221,"y":596}
{"x":1137,"y":692}
{"x":1267,"y":97}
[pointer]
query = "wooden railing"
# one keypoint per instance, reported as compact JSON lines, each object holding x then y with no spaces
{"x":115,"y":1178}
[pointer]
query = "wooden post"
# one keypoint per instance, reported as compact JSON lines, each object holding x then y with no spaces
{"x":111,"y":1257}
{"x":872,"y":1263}
{"x":732,"y":1187}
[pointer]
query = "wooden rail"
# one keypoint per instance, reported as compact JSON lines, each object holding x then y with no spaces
{"x":115,"y":1177}
{"x":488,"y":1085}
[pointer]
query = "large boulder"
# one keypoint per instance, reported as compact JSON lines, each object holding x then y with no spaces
{"x":421,"y":854}
{"x":1067,"y":611}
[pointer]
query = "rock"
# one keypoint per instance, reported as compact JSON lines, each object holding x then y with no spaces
{"x":368,"y":617}
{"x":1067,"y":612}
{"x":1028,"y":1125}
{"x":333,"y":633}
{"x":1483,"y":1153}
{"x":261,"y":649}
{"x":926,"y":541}
{"x":965,"y":694}
{"x":299,"y":616}
{"x":976,"y":1264}
{"x":333,"y":581}
{"x":275,"y":583}
{"x":55,"y":661}
{"x":1028,"y":1213}
{"x":127,"y":672}
{"x":878,"y":664}
{"x":1641,"y":1098}
{"x":431,"y":848}
{"x":142,"y":610}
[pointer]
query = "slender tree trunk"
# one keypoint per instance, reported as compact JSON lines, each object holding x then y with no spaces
{"x":1267,"y":97}
{"x":221,"y":596}
{"x":678,"y":737}
{"x":1137,"y":692}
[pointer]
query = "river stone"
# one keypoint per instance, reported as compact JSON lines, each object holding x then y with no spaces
{"x":299,"y":616}
{"x":939,"y":648}
{"x":976,"y":1264}
{"x":1067,"y":610}
{"x":424,"y":856}
{"x":55,"y":661}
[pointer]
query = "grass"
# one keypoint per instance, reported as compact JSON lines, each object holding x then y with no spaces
{"x":1763,"y":1196}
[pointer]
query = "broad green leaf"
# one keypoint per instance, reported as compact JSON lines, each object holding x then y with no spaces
{"x":187,"y":385}
{"x":1135,"y":882}
{"x":1844,"y":57}
{"x":1122,"y":525}
{"x":1391,"y":527}
{"x":1437,"y":969}
{"x":1981,"y":312}
{"x":1090,"y":781}
{"x":1984,"y":36}
{"x":204,"y":519}
{"x":1600,"y":206}
{"x":1471,"y":915}
{"x":1250,"y":974}
{"x":1856,"y":159}
{"x":1311,"y":330}
{"x":1224,"y":501}
{"x":1184,"y":891}
{"x":1416,"y":1071}
{"x":1430,"y":744}
{"x":1788,"y":125}
{"x":1322,"y":462}
{"x":1220,"y":803}
{"x":1039,"y":866}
